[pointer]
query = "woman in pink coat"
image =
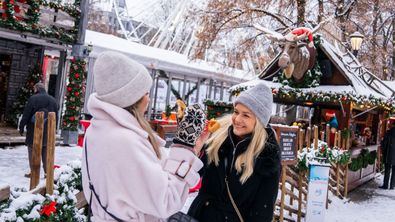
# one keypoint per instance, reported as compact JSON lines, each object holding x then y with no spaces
{"x":125,"y":173}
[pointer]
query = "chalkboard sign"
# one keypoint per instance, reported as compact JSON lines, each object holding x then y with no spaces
{"x":287,"y":137}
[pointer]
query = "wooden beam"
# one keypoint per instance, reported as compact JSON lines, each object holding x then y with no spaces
{"x":50,"y":151}
{"x":5,"y":193}
{"x":36,"y":149}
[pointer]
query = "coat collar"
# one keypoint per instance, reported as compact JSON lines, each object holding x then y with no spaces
{"x":101,"y":110}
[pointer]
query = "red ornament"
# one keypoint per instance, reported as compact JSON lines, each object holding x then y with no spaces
{"x":76,"y":93}
{"x":76,"y":75}
{"x":69,"y":89}
{"x":71,"y":118}
{"x":49,"y":209}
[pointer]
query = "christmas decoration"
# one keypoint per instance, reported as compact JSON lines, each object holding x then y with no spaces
{"x":311,"y":78}
{"x":35,"y":76}
{"x":74,"y":94}
{"x":59,"y":207}
{"x":364,"y":159}
{"x":217,"y":108}
{"x":332,"y":155}
{"x":287,"y":93}
{"x":31,"y":24}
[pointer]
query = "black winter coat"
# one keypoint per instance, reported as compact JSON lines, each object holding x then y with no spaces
{"x":40,"y":101}
{"x":255,"y":198}
{"x":388,"y":146}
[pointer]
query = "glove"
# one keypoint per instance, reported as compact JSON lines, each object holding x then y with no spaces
{"x":190,"y":126}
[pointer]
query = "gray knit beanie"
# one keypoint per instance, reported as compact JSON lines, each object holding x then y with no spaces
{"x":259,"y":100}
{"x":120,"y":80}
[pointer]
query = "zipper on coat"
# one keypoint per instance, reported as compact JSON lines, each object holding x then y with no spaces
{"x":234,"y":151}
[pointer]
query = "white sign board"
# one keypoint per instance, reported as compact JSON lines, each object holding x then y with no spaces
{"x":317,"y":192}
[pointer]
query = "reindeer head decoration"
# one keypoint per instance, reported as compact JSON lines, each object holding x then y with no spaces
{"x":297,"y":55}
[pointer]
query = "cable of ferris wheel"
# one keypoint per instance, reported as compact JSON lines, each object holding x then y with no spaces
{"x":146,"y":8}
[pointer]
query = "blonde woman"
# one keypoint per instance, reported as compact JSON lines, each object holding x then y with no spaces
{"x":242,"y":164}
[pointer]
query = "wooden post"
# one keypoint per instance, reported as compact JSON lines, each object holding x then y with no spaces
{"x":5,"y":193}
{"x":348,"y":142}
{"x":346,"y":181}
{"x":308,"y":137}
{"x":301,"y":136}
{"x":50,"y":152}
{"x":300,"y":196}
{"x":328,"y":133}
{"x":36,"y":149}
{"x":282,"y":203}
{"x":336,"y":138}
{"x":339,"y":139}
{"x":315,"y":137}
{"x":338,"y":180}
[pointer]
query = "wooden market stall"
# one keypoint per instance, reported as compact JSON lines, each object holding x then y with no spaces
{"x":336,"y":87}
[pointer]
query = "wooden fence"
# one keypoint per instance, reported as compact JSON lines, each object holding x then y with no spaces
{"x":292,"y":205}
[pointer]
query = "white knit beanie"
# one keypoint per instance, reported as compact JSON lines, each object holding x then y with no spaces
{"x":259,"y":100}
{"x":120,"y":80}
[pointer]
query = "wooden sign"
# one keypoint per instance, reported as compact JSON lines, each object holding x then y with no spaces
{"x":288,"y":141}
{"x":167,"y":132}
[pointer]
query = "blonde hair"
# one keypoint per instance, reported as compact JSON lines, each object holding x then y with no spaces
{"x":244,"y":163}
{"x":133,"y":109}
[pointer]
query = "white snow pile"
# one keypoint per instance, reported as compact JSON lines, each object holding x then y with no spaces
{"x":25,"y":206}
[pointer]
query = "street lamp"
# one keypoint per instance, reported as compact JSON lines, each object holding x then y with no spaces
{"x":356,"y":42}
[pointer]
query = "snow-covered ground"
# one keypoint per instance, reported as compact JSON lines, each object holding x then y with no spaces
{"x":365,"y":204}
{"x":14,"y":163}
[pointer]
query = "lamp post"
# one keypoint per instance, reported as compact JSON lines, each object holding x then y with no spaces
{"x":356,"y":41}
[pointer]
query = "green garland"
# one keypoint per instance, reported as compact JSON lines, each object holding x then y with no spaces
{"x":32,"y":23}
{"x":35,"y":76}
{"x":74,"y":94}
{"x":311,"y":78}
{"x":364,"y":159}
{"x":292,"y":94}
{"x":332,"y":155}
{"x":216,"y":109}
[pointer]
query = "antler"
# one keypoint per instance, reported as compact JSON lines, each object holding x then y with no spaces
{"x":273,"y":35}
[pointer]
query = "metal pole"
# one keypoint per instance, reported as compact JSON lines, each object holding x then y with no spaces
{"x":151,"y":92}
{"x":168,"y":89}
{"x":221,"y":97}
{"x":198,"y":90}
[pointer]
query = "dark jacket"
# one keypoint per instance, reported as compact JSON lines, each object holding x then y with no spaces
{"x":255,"y":198}
{"x":388,"y":147}
{"x":40,"y":101}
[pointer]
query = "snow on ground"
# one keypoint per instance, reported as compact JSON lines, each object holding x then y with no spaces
{"x":367,"y":203}
{"x":14,"y":163}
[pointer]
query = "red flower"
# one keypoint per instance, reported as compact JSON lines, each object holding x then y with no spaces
{"x":69,"y":89}
{"x":76,"y":75}
{"x":72,"y":118}
{"x":76,"y":93}
{"x":49,"y":209}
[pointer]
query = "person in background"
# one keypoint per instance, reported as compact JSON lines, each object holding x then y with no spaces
{"x":41,"y":101}
{"x":388,"y":149}
{"x":126,"y":173}
{"x":241,"y":175}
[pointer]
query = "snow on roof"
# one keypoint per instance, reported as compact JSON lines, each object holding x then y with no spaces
{"x":169,"y":61}
{"x":355,"y":72}
{"x":276,"y":85}
{"x":350,"y":67}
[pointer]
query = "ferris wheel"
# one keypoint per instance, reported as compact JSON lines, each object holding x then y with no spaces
{"x":171,"y":33}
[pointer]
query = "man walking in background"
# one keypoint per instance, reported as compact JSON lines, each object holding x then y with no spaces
{"x":388,"y":148}
{"x":39,"y":102}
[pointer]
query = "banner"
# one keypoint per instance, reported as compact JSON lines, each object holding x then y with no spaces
{"x":317,"y":192}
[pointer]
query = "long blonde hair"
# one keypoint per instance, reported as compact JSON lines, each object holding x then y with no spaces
{"x":133,"y":109}
{"x":245,"y":162}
